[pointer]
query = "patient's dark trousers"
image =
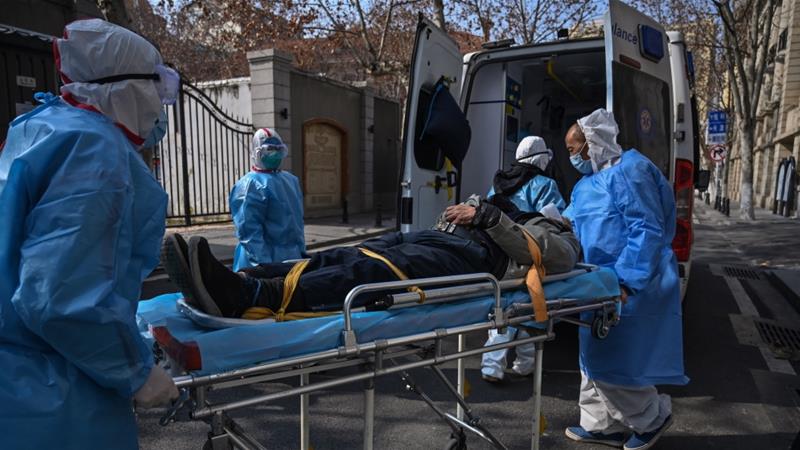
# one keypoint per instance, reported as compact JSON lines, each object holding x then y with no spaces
{"x":331,"y":274}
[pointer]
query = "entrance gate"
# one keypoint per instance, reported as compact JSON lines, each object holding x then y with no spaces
{"x":203,"y":154}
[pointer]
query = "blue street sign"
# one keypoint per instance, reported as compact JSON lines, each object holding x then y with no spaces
{"x":717,"y":127}
{"x":717,"y":117}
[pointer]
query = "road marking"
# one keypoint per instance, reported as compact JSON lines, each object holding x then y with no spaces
{"x":748,"y":308}
{"x":743,"y":301}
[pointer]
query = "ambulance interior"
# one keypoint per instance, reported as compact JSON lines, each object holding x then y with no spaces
{"x":540,"y":96}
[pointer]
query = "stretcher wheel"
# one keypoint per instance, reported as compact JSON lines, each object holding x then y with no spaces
{"x":456,"y":443}
{"x":599,"y":328}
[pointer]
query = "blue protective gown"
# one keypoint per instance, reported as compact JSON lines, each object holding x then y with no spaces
{"x":267,"y":210}
{"x":624,"y":217}
{"x":82,"y":222}
{"x":537,"y":193}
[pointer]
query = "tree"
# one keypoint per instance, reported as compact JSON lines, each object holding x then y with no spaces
{"x":533,"y":21}
{"x":747,"y":27}
{"x":477,"y":14}
{"x":115,"y":11}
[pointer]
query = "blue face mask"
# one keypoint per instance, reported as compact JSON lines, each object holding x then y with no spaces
{"x":583,"y":166}
{"x":158,"y":131}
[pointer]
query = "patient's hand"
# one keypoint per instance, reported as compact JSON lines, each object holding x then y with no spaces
{"x":460,"y":214}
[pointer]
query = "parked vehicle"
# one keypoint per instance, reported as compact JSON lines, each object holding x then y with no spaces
{"x":637,"y":70}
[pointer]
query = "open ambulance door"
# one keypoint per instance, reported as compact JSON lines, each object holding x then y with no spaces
{"x":436,"y":134}
{"x":639,"y":83}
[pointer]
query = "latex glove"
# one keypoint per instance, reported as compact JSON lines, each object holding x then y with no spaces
{"x":551,"y":212}
{"x":158,"y":390}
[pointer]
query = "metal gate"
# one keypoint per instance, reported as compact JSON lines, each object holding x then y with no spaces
{"x":203,"y":154}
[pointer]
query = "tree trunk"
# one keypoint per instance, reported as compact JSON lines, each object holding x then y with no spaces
{"x":746,"y":210}
{"x":438,"y":19}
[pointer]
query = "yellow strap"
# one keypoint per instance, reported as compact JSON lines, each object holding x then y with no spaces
{"x":289,"y":286}
{"x":398,"y":273}
{"x":534,"y":278}
{"x":448,"y":167}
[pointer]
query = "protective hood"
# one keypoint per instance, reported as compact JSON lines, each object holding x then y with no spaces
{"x":268,"y":150}
{"x":93,"y":50}
{"x":600,"y":130}
{"x":532,"y":150}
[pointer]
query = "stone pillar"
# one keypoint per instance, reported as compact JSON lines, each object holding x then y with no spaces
{"x":367,"y":147}
{"x":270,"y":84}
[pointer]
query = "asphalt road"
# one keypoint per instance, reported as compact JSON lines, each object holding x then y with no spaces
{"x":740,"y":396}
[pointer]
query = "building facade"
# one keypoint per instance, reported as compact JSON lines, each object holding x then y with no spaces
{"x":777,"y":134}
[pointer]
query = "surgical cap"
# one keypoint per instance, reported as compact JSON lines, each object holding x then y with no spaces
{"x":532,"y":150}
{"x":600,"y":130}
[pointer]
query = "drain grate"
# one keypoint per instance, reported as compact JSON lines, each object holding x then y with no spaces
{"x":741,"y":273}
{"x":783,"y":341}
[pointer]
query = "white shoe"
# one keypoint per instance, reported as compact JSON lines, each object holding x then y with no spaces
{"x":521,"y":371}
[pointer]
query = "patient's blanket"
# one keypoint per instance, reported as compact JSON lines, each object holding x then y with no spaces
{"x":236,"y":347}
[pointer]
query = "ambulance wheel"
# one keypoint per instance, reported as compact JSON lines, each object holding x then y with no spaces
{"x":599,"y":329}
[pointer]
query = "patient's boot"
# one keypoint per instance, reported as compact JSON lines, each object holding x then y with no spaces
{"x":220,"y":291}
{"x":175,"y":259}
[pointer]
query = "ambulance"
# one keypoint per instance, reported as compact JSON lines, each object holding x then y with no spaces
{"x":465,"y":114}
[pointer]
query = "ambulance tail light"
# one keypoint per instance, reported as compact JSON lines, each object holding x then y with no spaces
{"x":684,"y":191}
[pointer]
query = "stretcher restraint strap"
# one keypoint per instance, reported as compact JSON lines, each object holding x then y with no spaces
{"x":398,"y":273}
{"x":534,"y":277}
{"x":289,"y":286}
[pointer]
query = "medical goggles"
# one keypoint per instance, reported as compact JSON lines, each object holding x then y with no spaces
{"x":167,"y":82}
{"x":272,"y":144}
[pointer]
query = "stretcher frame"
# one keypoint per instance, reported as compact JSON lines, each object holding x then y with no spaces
{"x":373,"y":359}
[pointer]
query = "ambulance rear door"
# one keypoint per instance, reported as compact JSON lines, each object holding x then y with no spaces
{"x":639,"y":83}
{"x":428,"y":181}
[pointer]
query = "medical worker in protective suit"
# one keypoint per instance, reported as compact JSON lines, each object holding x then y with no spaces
{"x":83,"y":218}
{"x":623,"y":212}
{"x":527,"y":187}
{"x":267,"y":207}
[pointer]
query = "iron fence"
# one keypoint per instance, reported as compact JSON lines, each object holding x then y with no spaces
{"x":203,"y":154}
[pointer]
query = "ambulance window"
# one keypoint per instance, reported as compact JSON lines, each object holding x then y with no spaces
{"x":641,"y":107}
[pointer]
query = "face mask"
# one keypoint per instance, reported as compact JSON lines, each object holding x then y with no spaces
{"x":583,"y":166}
{"x":272,"y":159}
{"x":158,"y":131}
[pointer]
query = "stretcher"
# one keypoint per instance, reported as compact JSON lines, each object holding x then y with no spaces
{"x":391,"y":335}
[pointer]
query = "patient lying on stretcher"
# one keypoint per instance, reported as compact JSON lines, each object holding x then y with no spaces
{"x":475,"y":236}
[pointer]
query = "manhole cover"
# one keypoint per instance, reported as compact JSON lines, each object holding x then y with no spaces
{"x":741,"y":273}
{"x":783,"y":341}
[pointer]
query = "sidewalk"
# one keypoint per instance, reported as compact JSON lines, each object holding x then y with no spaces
{"x":319,"y":232}
{"x":770,"y":242}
